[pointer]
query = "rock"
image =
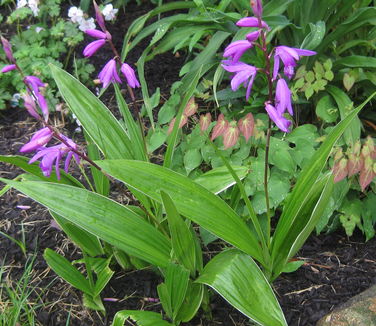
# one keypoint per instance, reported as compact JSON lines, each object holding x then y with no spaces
{"x":358,"y":311}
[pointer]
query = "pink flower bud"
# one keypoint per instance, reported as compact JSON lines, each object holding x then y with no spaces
{"x":253,"y":36}
{"x":205,"y":121}
{"x":231,"y":135}
{"x":256,"y":7}
{"x":30,"y":105}
{"x":129,"y":75}
{"x":7,"y":49}
{"x":95,"y":33}
{"x":93,"y":47}
{"x":99,"y":17}
{"x":252,"y":22}
{"x":8,"y":68}
{"x":246,"y":126}
{"x":191,"y":107}
{"x":220,"y":127}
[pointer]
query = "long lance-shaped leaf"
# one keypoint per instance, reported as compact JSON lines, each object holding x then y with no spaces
{"x":96,"y":119}
{"x":309,"y":214}
{"x":306,"y":181}
{"x":108,"y":220}
{"x":191,"y":200}
{"x":238,"y":279}
{"x":142,"y":318}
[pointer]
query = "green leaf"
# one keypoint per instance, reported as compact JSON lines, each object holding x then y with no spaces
{"x":220,"y":179}
{"x":287,"y":227}
{"x":326,"y":110}
{"x":141,"y":318}
{"x":96,"y":119}
{"x":357,"y":61}
{"x":314,"y":38}
{"x":192,"y":159}
{"x":192,"y":302}
{"x":62,"y":267}
{"x":192,"y":200}
{"x":181,"y":237}
{"x":94,"y":303}
{"x":103,"y":277}
{"x":108,"y":220}
{"x":238,"y":279}
{"x":345,"y":105}
{"x":306,"y":132}
{"x":86,"y":241}
{"x":293,"y":266}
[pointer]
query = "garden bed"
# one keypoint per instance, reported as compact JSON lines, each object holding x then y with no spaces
{"x":336,"y":267}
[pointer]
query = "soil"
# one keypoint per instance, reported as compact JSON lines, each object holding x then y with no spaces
{"x":336,"y":268}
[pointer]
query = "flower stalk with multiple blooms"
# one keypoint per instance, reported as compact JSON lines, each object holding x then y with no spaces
{"x":50,"y":156}
{"x":278,"y":105}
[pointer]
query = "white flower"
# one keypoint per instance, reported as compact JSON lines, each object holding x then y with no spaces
{"x":21,"y":3}
{"x":86,"y":24}
{"x":38,"y":29}
{"x":109,"y":12}
{"x":75,"y":14}
{"x":33,"y":4}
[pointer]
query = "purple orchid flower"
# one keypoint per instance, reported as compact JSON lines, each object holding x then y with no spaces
{"x":53,"y":155}
{"x":35,"y":83}
{"x":130,"y":75}
{"x":252,"y":22}
{"x":253,"y":36}
{"x":289,"y":56}
{"x":281,"y":122}
{"x":99,"y":17}
{"x":93,"y":47}
{"x":7,"y":49}
{"x":256,"y":7}
{"x":109,"y":73}
{"x":96,"y":33}
{"x":40,"y":138}
{"x":242,"y":74}
{"x":236,"y":49}
{"x":8,"y":68}
{"x":283,"y":97}
{"x":30,"y":105}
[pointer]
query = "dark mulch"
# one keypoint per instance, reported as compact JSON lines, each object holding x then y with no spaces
{"x":336,"y":268}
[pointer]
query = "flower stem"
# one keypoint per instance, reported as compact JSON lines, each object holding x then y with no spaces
{"x":267,"y":146}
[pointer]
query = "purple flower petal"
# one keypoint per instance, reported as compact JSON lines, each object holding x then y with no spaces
{"x":109,"y":73}
{"x":7,"y":49}
{"x":253,"y":36}
{"x":130,"y":75}
{"x":256,"y":7}
{"x":252,"y":22}
{"x":8,"y":68}
{"x":93,"y":47}
{"x":236,"y":49}
{"x":96,"y":33}
{"x":40,"y":138}
{"x":283,"y":97}
{"x":99,"y":17}
{"x":281,"y":122}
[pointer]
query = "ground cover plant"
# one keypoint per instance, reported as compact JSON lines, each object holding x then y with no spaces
{"x":160,"y":231}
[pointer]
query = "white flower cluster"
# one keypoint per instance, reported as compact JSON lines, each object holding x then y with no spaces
{"x":109,"y":12}
{"x":32,"y":4}
{"x":77,"y":16}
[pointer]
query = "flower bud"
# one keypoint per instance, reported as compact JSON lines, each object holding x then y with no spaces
{"x":256,"y":7}
{"x":7,"y":49}
{"x":8,"y":68}
{"x":99,"y":17}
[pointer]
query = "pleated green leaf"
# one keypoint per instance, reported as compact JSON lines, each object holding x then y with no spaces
{"x":108,"y":220}
{"x":302,"y":191}
{"x":238,"y":279}
{"x":182,"y":240}
{"x":96,"y":119}
{"x":219,"y":179}
{"x":142,"y":318}
{"x":62,"y":267}
{"x":191,"y":200}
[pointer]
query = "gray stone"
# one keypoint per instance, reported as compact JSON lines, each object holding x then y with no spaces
{"x":358,"y":311}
